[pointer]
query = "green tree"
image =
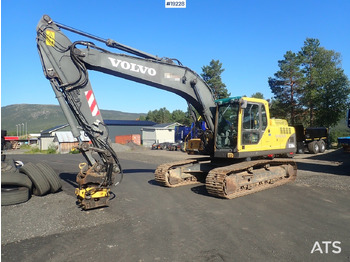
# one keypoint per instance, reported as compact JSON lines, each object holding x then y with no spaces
{"x":311,"y":86}
{"x":277,"y":109}
{"x":212,"y":76}
{"x":308,"y":55}
{"x":181,"y":117}
{"x":151,"y":116}
{"x":258,"y":95}
{"x":286,"y":84}
{"x":163,"y":115}
{"x":332,"y":98}
{"x":326,"y":87}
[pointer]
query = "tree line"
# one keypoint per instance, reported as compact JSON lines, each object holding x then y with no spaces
{"x":310,"y":88}
{"x":163,"y":115}
{"x":211,"y":74}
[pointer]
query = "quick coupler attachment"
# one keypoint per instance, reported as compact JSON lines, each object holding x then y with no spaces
{"x":92,"y":197}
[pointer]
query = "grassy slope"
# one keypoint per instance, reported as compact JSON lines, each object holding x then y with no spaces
{"x":41,"y":117}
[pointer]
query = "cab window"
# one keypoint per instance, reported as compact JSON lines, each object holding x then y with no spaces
{"x":252,"y":124}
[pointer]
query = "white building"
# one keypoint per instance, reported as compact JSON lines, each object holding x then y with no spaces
{"x":65,"y":141}
{"x":47,"y":136}
{"x":159,"y":133}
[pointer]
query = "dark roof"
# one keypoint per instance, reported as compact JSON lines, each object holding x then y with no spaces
{"x":128,"y":123}
{"x":53,"y":129}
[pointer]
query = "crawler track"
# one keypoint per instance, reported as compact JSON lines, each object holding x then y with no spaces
{"x":162,"y":174}
{"x":230,"y":181}
{"x":217,"y":182}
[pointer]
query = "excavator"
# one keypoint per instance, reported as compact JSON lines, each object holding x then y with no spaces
{"x":240,"y":143}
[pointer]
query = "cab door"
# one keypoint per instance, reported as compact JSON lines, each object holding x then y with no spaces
{"x":254,"y":125}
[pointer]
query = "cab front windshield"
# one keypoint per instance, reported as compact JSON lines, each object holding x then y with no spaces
{"x":227,"y":128}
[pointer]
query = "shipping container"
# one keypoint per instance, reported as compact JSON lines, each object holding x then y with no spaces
{"x":136,"y":139}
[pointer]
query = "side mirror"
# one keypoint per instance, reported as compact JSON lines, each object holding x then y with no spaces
{"x":243,"y":103}
{"x":349,"y":118}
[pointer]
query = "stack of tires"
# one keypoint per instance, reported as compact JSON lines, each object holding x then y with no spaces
{"x":18,"y":184}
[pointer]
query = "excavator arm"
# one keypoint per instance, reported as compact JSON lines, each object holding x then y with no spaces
{"x":66,"y":64}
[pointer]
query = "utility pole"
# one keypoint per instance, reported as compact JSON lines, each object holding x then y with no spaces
{"x":27,"y":132}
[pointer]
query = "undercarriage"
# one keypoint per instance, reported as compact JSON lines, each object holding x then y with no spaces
{"x":230,"y":180}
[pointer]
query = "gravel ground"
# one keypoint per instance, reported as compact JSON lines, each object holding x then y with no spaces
{"x":64,"y":217}
{"x":317,"y":170}
{"x":327,"y":170}
{"x":147,"y":155}
{"x":330,"y":170}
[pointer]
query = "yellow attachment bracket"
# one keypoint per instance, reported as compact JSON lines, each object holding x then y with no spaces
{"x":50,"y":38}
{"x":92,"y":192}
{"x":195,"y":144}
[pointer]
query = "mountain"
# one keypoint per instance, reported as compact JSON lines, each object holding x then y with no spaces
{"x":41,"y":117}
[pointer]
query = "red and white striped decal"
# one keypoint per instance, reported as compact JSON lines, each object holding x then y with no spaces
{"x":92,"y":103}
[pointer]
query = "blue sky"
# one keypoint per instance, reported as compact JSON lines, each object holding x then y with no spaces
{"x":248,"y":37}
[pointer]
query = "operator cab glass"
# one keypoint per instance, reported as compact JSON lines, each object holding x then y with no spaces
{"x":253,"y":122}
{"x":227,"y":125}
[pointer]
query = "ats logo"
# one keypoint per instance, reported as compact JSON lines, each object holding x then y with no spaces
{"x":325,"y":247}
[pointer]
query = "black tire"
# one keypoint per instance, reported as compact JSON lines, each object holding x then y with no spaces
{"x":51,"y":176}
{"x":14,"y":195}
{"x":15,"y":179}
{"x":40,"y":184}
{"x":313,"y":147}
{"x":300,"y":148}
{"x":322,"y":146}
